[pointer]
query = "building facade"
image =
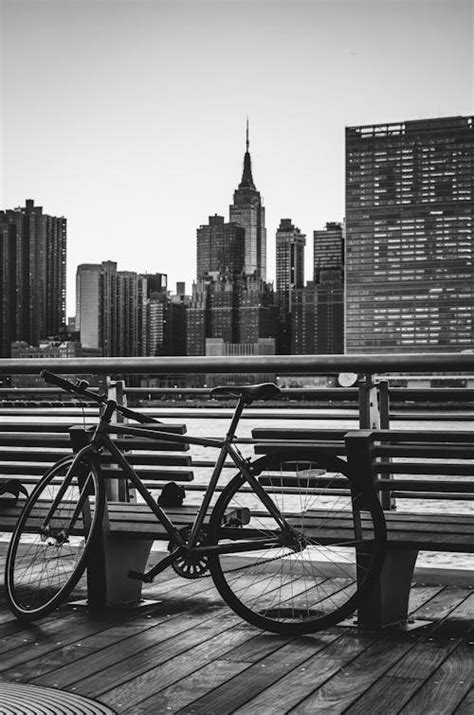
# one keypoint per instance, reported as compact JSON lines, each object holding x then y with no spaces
{"x":33,"y":273}
{"x":290,"y":247}
{"x":220,"y":248}
{"x":328,"y":266}
{"x":409,"y":239}
{"x":121,"y":313}
{"x":88,"y":304}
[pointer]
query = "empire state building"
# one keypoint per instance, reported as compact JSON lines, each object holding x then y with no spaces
{"x":248,"y":211}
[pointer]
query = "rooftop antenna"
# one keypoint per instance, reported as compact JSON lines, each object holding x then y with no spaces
{"x":247,"y":136}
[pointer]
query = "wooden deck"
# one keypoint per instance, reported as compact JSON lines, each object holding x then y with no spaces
{"x":191,"y":654}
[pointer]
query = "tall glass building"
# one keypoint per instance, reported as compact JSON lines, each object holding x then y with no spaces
{"x":409,"y":237}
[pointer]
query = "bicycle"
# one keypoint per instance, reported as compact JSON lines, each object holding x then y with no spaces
{"x":290,"y":549}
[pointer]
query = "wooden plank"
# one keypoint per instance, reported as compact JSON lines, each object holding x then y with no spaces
{"x":424,"y":659}
{"x":460,"y":622}
{"x":132,"y":679}
{"x":442,"y":604}
{"x":236,"y":690}
{"x":447,"y":686}
{"x":109,"y":666}
{"x":49,"y":426}
{"x":387,"y":695}
{"x":426,"y":451}
{"x":294,"y":685}
{"x":27,"y":439}
{"x":346,"y":686}
{"x":182,"y":693}
{"x":95,"y":660}
{"x":420,"y":595}
{"x":466,"y":706}
{"x":295,"y":433}
{"x":397,"y":435}
{"x":147,"y":687}
{"x":178,"y":475}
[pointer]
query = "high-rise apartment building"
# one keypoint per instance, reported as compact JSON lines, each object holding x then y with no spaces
{"x":88,"y":304}
{"x":248,"y":211}
{"x":409,"y":236}
{"x":33,"y":272}
{"x":122,"y":313}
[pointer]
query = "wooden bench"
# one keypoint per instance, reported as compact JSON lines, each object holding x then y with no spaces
{"x":28,"y":450}
{"x":434,"y":466}
{"x":428,"y":465}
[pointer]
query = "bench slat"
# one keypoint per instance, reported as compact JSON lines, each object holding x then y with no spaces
{"x":64,"y":427}
{"x":426,"y":451}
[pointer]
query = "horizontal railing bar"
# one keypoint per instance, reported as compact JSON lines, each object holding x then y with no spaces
{"x":445,"y":496}
{"x":442,"y":394}
{"x":224,"y":413}
{"x":286,"y":364}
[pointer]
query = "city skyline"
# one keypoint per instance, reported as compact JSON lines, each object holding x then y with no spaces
{"x":128,"y":118}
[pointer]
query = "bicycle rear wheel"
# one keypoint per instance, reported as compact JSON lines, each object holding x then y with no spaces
{"x":311,"y":575}
{"x":48,"y":549}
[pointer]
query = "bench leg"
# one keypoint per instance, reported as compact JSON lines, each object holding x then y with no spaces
{"x":108,"y":583}
{"x":387,"y":604}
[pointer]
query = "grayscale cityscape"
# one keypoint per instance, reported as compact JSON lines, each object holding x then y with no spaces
{"x":237,"y":357}
{"x":395,"y":273}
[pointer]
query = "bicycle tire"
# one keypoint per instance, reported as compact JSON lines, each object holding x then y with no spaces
{"x":44,"y":565}
{"x":304,"y":581}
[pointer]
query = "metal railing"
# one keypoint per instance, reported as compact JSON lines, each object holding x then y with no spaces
{"x":369,"y":400}
{"x":283,"y":364}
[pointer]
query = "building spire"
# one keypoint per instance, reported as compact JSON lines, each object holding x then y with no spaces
{"x":247,"y":179}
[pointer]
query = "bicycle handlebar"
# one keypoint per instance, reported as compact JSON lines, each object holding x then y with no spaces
{"x":81,"y":387}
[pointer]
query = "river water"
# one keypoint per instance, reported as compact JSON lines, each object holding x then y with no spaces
{"x":212,"y":422}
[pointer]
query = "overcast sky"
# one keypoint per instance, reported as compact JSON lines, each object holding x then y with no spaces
{"x":128,"y":116}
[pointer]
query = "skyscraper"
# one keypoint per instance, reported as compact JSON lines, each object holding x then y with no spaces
{"x":409,"y":236}
{"x":290,"y":245}
{"x":88,"y":304}
{"x":248,"y":211}
{"x":33,"y":268}
{"x":231,"y":303}
{"x":328,"y":264}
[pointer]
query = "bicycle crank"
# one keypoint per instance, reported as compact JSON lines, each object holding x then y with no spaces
{"x":190,"y":565}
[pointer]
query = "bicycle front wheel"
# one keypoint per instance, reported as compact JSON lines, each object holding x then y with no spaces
{"x":48,"y":549}
{"x":311,"y":572}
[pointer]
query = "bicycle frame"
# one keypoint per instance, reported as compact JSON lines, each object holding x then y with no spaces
{"x":101,"y":440}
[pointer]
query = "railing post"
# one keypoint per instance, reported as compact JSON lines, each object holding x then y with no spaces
{"x":374,"y":413}
{"x":369,"y":414}
{"x":117,"y":489}
{"x":387,"y":500}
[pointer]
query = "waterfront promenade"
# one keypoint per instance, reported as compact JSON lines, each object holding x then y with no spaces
{"x":189,"y":653}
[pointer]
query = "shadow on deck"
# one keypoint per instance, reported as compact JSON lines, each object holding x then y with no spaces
{"x":189,"y":653}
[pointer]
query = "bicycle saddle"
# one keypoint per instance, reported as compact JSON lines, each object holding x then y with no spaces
{"x":264,"y":391}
